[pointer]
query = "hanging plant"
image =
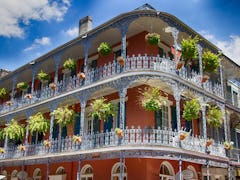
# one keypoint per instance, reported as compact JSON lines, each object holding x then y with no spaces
{"x":101,"y":109}
{"x":152,"y":38}
{"x":214,"y":116}
{"x":42,"y":76}
{"x":14,"y":130}
{"x":119,"y":132}
{"x":151,"y":98}
{"x":191,"y":109}
{"x":189,"y":48}
{"x":104,"y":49}
{"x":121,"y":60}
{"x":70,"y":64}
{"x":22,"y":85}
{"x":3,"y":93}
{"x":211,"y":61}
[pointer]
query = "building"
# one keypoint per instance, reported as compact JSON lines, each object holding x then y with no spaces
{"x":150,"y":147}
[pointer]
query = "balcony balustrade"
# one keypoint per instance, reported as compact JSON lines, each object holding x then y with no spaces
{"x":134,"y":63}
{"x":131,"y":137}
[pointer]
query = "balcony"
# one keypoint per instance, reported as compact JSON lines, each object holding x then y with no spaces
{"x":133,"y":137}
{"x":137,"y":65}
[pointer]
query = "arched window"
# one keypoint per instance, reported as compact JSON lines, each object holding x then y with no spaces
{"x":4,"y":173}
{"x":14,"y":173}
{"x":166,"y":171}
{"x":37,"y":174}
{"x":60,"y":170}
{"x":195,"y":177}
{"x":116,"y":172}
{"x":87,"y":172}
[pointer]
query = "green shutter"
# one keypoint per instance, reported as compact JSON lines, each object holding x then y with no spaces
{"x":96,"y":125}
{"x":158,"y":119}
{"x":55,"y":131}
{"x":77,"y":123}
{"x":64,"y":132}
{"x":174,"y":117}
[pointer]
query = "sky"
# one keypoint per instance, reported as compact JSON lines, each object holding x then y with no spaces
{"x":31,"y":28}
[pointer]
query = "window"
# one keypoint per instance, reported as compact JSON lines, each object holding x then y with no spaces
{"x":37,"y":174}
{"x":60,"y":170}
{"x":235,"y":98}
{"x":87,"y":172}
{"x":162,"y":117}
{"x":4,"y":172}
{"x":116,"y":172}
{"x":166,"y":171}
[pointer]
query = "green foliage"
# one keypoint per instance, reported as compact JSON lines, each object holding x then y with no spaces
{"x":211,"y":61}
{"x":101,"y":109}
{"x":37,"y":123}
{"x":64,"y":116}
{"x":189,"y":48}
{"x":3,"y":92}
{"x":104,"y":49}
{"x":191,"y":110}
{"x":2,"y":134}
{"x":151,"y":98}
{"x":152,"y":38}
{"x":22,"y":86}
{"x":14,"y":130}
{"x":70,"y":64}
{"x":42,"y":76}
{"x":214,"y":116}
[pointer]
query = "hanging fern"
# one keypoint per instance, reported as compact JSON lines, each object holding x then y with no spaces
{"x":14,"y":130}
{"x":211,"y":61}
{"x":214,"y":116}
{"x":104,"y":49}
{"x":191,"y":110}
{"x":189,"y":48}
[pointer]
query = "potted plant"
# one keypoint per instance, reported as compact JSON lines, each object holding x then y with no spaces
{"x":191,"y":109}
{"x":180,"y":64}
{"x":121,"y":60}
{"x":104,"y":49}
{"x":21,"y":148}
{"x":43,"y":77}
{"x":77,"y":139}
{"x":189,"y":49}
{"x":28,"y":96}
{"x":151,"y":98}
{"x":101,"y":109}
{"x":81,"y":75}
{"x":9,"y":103}
{"x":47,"y":143}
{"x":14,"y":130}
{"x":209,"y":142}
{"x":214,"y":116}
{"x":63,"y":117}
{"x":69,"y":65}
{"x":183,"y":135}
{"x":38,"y":124}
{"x":2,"y":150}
{"x":52,"y":86}
{"x":228,"y":145}
{"x":119,"y":132}
{"x":22,"y":86}
{"x":205,"y":78}
{"x":152,"y":38}
{"x":3,"y":93}
{"x":211,"y":61}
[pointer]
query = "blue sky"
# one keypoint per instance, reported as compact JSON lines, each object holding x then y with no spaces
{"x":31,"y":28}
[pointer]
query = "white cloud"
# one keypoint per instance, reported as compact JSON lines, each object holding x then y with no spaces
{"x":15,"y":12}
{"x":72,"y":32}
{"x":39,"y":42}
{"x":230,"y":48}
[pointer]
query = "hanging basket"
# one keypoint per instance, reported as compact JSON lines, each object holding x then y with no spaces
{"x":152,"y":38}
{"x":121,"y":60}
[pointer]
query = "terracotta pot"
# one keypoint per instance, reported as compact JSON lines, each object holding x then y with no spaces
{"x":81,"y":75}
{"x":205,"y":78}
{"x":209,"y":143}
{"x":52,"y":86}
{"x":182,"y":137}
{"x":121,"y":60}
{"x":179,"y":65}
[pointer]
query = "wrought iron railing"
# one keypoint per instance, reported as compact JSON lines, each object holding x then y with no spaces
{"x":134,"y":63}
{"x":133,"y":136}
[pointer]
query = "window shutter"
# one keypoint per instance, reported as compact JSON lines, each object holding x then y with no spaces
{"x":188,"y":125}
{"x":64,"y":132}
{"x":55,"y":131}
{"x":108,"y":125}
{"x":77,"y":123}
{"x":33,"y":138}
{"x":158,"y":118}
{"x":96,"y":125}
{"x":174,"y":117}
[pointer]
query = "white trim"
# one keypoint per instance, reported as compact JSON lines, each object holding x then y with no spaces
{"x":170,"y":169}
{"x":83,"y":170}
{"x":115,"y":174}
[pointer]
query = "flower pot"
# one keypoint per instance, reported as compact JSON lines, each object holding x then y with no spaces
{"x":179,"y":65}
{"x":121,"y":60}
{"x":205,"y":78}
{"x":28,"y":96}
{"x":209,"y":142}
{"x":119,"y":132}
{"x":81,"y":75}
{"x":52,"y":86}
{"x":9,"y":103}
{"x":183,"y":136}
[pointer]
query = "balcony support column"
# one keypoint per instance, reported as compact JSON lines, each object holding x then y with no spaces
{"x":204,"y":121}
{"x":122,"y":94}
{"x":224,"y":122}
{"x":14,"y":81}
{"x":82,"y":119}
{"x":124,"y":30}
{"x":177,"y":96}
{"x":199,"y":48}
{"x":34,"y":72}
{"x":52,"y":107}
{"x":28,"y":113}
{"x":57,"y":59}
{"x":8,"y":120}
{"x":221,"y":78}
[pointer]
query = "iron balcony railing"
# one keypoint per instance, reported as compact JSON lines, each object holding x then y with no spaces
{"x":133,"y":136}
{"x":112,"y":69}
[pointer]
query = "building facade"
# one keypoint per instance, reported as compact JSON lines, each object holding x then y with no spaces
{"x":150,"y":147}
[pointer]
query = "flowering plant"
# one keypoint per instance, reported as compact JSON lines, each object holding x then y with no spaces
{"x":77,"y":139}
{"x":28,"y":96}
{"x":183,"y":135}
{"x":47,"y":143}
{"x":209,"y":142}
{"x":70,"y":64}
{"x":22,"y":85}
{"x":81,"y":75}
{"x":52,"y":86}
{"x":119,"y":132}
{"x":104,"y":49}
{"x":228,"y":145}
{"x":42,"y":76}
{"x":21,"y":147}
{"x":9,"y":103}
